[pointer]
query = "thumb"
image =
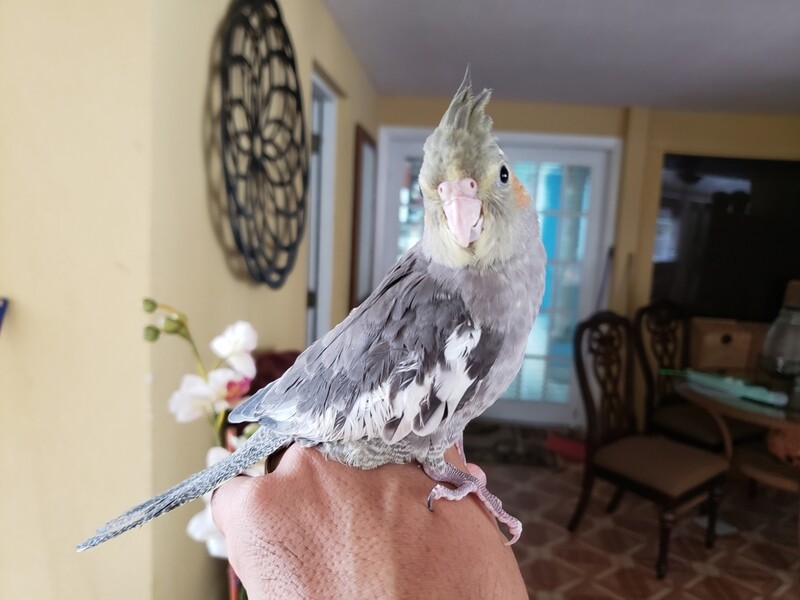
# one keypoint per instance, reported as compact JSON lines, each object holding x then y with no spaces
{"x":228,"y":501}
{"x":476,"y":472}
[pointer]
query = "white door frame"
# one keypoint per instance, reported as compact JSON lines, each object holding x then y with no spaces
{"x":322,"y":186}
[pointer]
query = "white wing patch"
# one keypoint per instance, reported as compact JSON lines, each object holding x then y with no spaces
{"x":367,"y":415}
{"x":421,"y":405}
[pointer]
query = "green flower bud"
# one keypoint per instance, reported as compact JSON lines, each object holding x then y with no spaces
{"x":173,"y":325}
{"x":151,"y":333}
{"x":149,"y":305}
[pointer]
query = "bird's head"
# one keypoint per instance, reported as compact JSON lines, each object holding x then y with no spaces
{"x":476,"y":211}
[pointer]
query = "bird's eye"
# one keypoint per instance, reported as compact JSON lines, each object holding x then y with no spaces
{"x":504,"y":174}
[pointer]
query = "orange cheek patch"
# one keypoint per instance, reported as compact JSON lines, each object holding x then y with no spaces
{"x":520,"y":193}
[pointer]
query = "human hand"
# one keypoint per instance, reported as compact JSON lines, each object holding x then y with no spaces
{"x":315,"y":528}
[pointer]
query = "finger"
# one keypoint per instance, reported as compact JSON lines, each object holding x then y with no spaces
{"x":453,"y":457}
{"x":274,"y":460}
{"x":228,"y":499}
{"x":476,"y":472}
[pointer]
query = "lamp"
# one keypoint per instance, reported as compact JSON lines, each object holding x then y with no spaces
{"x":781,"y":351}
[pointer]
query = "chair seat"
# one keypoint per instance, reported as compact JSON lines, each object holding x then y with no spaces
{"x":694,"y":423}
{"x":661,"y":464}
{"x":756,"y":462}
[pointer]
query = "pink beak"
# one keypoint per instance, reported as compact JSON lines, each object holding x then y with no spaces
{"x":462,"y":209}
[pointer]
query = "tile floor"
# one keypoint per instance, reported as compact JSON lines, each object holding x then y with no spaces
{"x":613,"y":556}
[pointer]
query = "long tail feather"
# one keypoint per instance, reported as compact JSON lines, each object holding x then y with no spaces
{"x":263,"y":443}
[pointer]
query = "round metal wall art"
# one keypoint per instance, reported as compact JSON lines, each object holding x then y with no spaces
{"x":264,"y":151}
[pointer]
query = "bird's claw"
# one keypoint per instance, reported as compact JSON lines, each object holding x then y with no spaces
{"x":441,"y":491}
{"x":514,"y":527}
{"x":491,"y":502}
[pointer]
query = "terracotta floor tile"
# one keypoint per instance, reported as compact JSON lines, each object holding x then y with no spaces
{"x":586,"y":590}
{"x":773,"y":556}
{"x":559,"y":513}
{"x":739,"y":568}
{"x":613,"y":540}
{"x":539,"y":533}
{"x":631,"y":582}
{"x":583,"y":556}
{"x":637,"y":523}
{"x":678,"y":594}
{"x":717,"y":588}
{"x":549,"y":575}
{"x":679,"y":571}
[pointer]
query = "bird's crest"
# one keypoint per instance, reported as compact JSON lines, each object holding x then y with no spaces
{"x":467,"y":111}
{"x":463,"y":137}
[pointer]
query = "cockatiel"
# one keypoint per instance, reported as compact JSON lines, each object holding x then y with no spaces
{"x":436,"y":343}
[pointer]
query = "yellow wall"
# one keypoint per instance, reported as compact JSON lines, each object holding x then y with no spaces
{"x":75,"y":175}
{"x":508,"y":115}
{"x":106,"y":198}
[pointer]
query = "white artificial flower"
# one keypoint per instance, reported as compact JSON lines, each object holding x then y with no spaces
{"x":216,"y":454}
{"x":201,"y":528}
{"x":198,"y":397}
{"x":236,"y":345}
{"x":228,"y":385}
{"x":194,"y":399}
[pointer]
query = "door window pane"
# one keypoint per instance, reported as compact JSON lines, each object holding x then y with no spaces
{"x":531,"y":378}
{"x":557,"y":381}
{"x":412,"y":212}
{"x":548,"y":190}
{"x":576,"y":188}
{"x":560,"y":334}
{"x":549,"y":230}
{"x":526,"y":172}
{"x":539,"y":339}
{"x":571,"y":239}
{"x":565,"y":286}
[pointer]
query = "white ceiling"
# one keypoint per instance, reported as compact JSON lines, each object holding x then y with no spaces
{"x":728,"y":55}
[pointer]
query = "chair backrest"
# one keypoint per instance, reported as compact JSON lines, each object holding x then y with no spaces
{"x":603,"y":354}
{"x":661,"y":337}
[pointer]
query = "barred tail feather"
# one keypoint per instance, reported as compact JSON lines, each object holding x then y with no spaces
{"x":263,"y":443}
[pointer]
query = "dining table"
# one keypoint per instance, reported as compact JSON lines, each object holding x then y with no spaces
{"x":721,"y":404}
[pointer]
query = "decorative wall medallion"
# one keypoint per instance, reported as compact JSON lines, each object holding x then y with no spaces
{"x":264,"y":152}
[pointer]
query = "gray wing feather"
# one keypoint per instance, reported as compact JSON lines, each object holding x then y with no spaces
{"x":353,"y":381}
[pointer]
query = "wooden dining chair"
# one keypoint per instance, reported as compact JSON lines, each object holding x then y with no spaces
{"x":661,"y":338}
{"x":669,"y":473}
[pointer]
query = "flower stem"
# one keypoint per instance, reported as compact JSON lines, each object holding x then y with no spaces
{"x":171,"y":309}
{"x":198,"y":361}
{"x":219,"y":363}
{"x":219,"y":426}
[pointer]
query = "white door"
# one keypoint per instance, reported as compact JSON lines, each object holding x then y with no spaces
{"x":320,"y":210}
{"x":573,"y":183}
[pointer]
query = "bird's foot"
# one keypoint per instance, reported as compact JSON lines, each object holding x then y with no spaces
{"x":466,"y":484}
